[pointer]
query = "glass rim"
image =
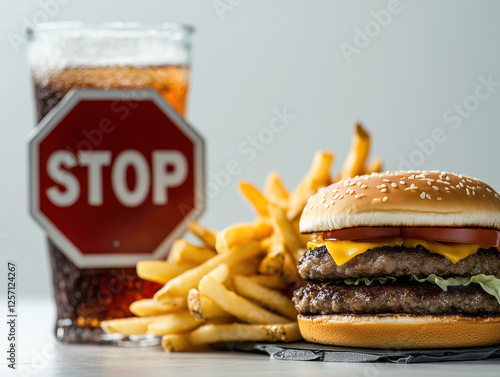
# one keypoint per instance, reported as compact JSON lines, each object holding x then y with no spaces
{"x":114,"y":26}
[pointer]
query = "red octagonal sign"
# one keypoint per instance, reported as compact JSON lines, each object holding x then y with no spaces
{"x":116,"y":175}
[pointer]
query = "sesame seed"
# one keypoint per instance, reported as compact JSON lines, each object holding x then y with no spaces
{"x":422,"y":195}
{"x":446,"y":183}
{"x":473,"y":193}
{"x":363,"y":186}
{"x":435,"y":188}
{"x":311,"y":206}
{"x":394,"y":184}
{"x":429,"y":183}
{"x":447,"y":178}
{"x":439,"y":198}
{"x":335,"y":196}
{"x":385,"y":180}
{"x":383,"y":190}
{"x":447,"y":189}
{"x":384,"y":199}
{"x":376,"y":200}
{"x":460,"y":176}
{"x":341,"y":196}
{"x":323,"y":195}
{"x":488,"y":189}
{"x":468,"y":192}
{"x":359,"y":183}
{"x":323,"y":201}
{"x":383,"y":185}
{"x":332,"y":202}
{"x":413,"y":187}
{"x":440,"y":181}
{"x":326,"y":205}
{"x":366,"y":178}
{"x":484,"y":196}
{"x":402,"y":182}
{"x":427,"y":196}
{"x":458,"y":186}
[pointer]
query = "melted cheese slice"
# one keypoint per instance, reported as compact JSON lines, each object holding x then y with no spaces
{"x":343,"y":251}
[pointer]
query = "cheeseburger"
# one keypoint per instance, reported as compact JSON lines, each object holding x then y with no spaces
{"x":402,"y":260}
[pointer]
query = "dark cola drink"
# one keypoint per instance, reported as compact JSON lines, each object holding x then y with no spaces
{"x":86,"y":296}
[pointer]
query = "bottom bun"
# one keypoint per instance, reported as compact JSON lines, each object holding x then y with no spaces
{"x":400,"y":331}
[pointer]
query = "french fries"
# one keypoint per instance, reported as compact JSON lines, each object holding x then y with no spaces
{"x":233,"y":235}
{"x":148,"y":307}
{"x":230,"y":287}
{"x":269,"y":297}
{"x":236,"y":305}
{"x":355,"y":162}
{"x":187,"y":253}
{"x":206,"y":235}
{"x":274,"y":190}
{"x":239,"y":332}
{"x":160,"y":271}
{"x":255,"y":197}
{"x":202,"y":307}
{"x":284,"y":230}
{"x":127,"y":326}
{"x":173,"y":323}
{"x":180,"y":285}
{"x":318,"y":176}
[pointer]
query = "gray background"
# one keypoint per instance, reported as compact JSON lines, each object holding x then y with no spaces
{"x":264,"y":55}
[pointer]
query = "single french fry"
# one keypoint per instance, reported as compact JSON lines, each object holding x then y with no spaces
{"x":236,"y":305}
{"x":148,"y":307}
{"x":262,"y":228}
{"x":219,"y":273}
{"x":207,"y":236}
{"x":266,"y":243}
{"x":202,"y":307}
{"x":374,"y":166}
{"x":269,"y":281}
{"x":269,"y":297}
{"x":183,"y":252}
{"x":360,"y":147}
{"x":318,"y":176}
{"x":160,"y":271}
{"x":180,"y":285}
{"x":284,"y":229}
{"x":173,"y":323}
{"x":207,"y":334}
{"x":233,"y":235}
{"x":127,"y":326}
{"x":275,"y":191}
{"x":180,"y":343}
{"x":255,"y":197}
{"x":273,"y":261}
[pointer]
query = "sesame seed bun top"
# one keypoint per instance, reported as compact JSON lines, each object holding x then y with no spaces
{"x":403,"y":198}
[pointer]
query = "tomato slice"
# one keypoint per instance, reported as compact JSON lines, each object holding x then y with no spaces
{"x":476,"y":236}
{"x":362,"y":233}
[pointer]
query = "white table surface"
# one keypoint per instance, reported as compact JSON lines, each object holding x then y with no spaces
{"x":39,"y":354}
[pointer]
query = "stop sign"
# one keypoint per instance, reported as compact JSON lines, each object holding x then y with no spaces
{"x":115,"y":176}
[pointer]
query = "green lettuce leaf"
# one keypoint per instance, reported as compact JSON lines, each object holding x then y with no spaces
{"x":368,"y":281}
{"x":489,"y":283}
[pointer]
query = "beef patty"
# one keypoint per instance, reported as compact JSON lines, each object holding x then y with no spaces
{"x":398,"y":261}
{"x":418,"y":298}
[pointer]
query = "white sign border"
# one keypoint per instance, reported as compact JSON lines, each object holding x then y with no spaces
{"x":51,"y":120}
